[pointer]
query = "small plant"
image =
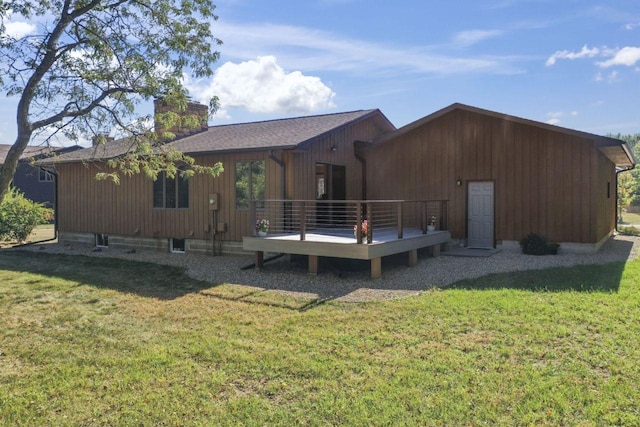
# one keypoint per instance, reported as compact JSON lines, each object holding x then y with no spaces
{"x":262,"y":225}
{"x":19,"y":216}
{"x":364,"y":230}
{"x":629,"y":230}
{"x":535,"y":244}
{"x":433,"y":221}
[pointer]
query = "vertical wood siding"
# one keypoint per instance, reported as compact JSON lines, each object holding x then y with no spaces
{"x":545,"y":182}
{"x":90,"y":206}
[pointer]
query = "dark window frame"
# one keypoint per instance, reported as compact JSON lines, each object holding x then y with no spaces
{"x":255,"y":185}
{"x":45,"y":176}
{"x":170,"y":193}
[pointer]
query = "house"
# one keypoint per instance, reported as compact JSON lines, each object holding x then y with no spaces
{"x":496,"y":178}
{"x":504,"y":176}
{"x":34,"y":182}
{"x":277,"y":159}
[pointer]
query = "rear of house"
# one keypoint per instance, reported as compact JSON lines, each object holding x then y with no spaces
{"x":504,"y":177}
{"x":278,"y":159}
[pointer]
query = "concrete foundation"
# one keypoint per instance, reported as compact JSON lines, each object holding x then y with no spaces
{"x":159,"y":244}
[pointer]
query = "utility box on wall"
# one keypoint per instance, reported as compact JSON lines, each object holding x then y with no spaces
{"x":214,"y":201}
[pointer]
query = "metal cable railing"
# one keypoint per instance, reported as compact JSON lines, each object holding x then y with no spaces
{"x":358,"y":218}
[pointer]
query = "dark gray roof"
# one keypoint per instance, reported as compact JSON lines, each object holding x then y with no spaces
{"x":273,"y":134}
{"x":35,"y":152}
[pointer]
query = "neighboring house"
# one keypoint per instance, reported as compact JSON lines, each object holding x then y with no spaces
{"x":277,"y":159}
{"x":503,"y":177}
{"x":36,"y":183}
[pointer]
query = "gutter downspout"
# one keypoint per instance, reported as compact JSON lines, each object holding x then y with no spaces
{"x":55,"y":212}
{"x":618,"y":173}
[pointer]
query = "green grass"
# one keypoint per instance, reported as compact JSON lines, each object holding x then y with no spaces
{"x":88,"y":341}
{"x":630,"y":218}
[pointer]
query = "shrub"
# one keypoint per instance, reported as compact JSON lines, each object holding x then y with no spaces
{"x":535,"y":244}
{"x":629,"y":230}
{"x":19,"y":216}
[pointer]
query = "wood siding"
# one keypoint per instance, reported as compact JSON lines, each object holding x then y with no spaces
{"x":90,"y":206}
{"x":545,"y":182}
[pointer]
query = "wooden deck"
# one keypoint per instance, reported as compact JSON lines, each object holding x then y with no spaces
{"x":340,"y":243}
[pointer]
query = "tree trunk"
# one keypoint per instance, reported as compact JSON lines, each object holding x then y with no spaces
{"x":8,"y":169}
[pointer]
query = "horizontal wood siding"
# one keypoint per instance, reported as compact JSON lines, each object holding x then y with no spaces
{"x":545,"y":182}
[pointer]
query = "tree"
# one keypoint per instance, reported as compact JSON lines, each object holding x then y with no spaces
{"x":89,"y":63}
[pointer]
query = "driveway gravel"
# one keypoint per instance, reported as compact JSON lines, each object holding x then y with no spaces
{"x":348,"y":280}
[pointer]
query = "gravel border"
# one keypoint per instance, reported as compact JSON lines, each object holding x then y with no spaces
{"x":348,"y":280}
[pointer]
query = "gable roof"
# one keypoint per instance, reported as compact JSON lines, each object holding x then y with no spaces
{"x":35,"y":152}
{"x":618,"y":151}
{"x":278,"y":134}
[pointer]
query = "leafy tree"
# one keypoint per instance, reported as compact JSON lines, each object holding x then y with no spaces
{"x":19,"y":216}
{"x":628,"y":182}
{"x":90,"y":62}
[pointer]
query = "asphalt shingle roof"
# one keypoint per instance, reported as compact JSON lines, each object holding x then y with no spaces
{"x":29,"y":152}
{"x":274,"y":134}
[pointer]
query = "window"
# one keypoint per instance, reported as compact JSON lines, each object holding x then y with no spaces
{"x":177,"y":246}
{"x":170,"y":192}
{"x":250,"y":180}
{"x":102,"y":240}
{"x":45,"y":176}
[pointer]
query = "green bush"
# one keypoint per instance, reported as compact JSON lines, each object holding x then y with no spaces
{"x":629,"y":230}
{"x":19,"y":216}
{"x":535,"y":244}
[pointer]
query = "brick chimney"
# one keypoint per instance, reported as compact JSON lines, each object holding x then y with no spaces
{"x":193,"y":108}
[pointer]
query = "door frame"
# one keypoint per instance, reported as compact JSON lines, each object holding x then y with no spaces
{"x":467,"y":215}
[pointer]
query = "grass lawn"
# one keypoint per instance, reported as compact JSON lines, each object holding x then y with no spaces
{"x":88,"y":341}
{"x":630,"y":218}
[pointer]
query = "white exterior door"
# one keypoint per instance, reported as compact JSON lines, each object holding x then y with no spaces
{"x":480,"y":215}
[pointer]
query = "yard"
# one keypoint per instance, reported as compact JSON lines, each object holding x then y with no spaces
{"x":89,"y":341}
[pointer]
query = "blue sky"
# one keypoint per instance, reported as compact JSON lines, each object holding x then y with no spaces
{"x":574,"y":63}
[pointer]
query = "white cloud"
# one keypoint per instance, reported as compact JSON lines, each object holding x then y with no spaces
{"x":19,"y":29}
{"x":626,"y":56}
{"x":310,"y":49}
{"x":631,"y":26}
{"x":585,"y":52}
{"x":554,"y":117}
{"x":471,"y":37}
{"x":263,"y":86}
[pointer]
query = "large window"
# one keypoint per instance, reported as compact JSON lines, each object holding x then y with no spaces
{"x":250,"y":179}
{"x":170,"y":192}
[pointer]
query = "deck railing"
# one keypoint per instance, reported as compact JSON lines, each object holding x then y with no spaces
{"x":348,"y":216}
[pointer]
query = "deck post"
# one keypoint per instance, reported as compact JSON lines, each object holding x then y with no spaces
{"x":413,"y":258}
{"x":303,"y":224}
{"x":369,"y":223}
{"x":376,"y":268}
{"x":259,"y":259}
{"x":435,"y":251}
{"x":423,"y":217}
{"x":399,"y":220}
{"x":359,"y":222}
{"x":443,"y":215}
{"x":313,"y":265}
{"x":252,"y":218}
